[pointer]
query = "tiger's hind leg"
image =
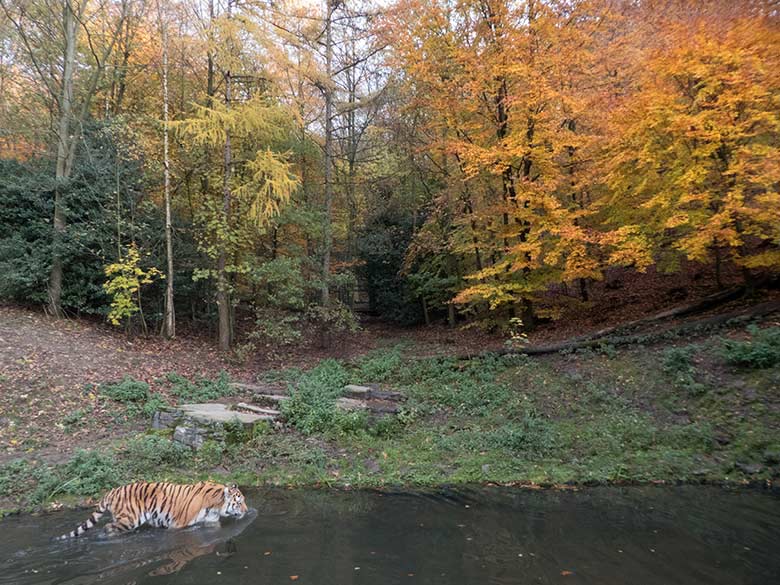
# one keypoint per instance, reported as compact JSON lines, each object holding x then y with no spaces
{"x":122,"y":523}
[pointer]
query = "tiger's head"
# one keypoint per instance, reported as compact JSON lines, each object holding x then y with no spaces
{"x":234,"y":504}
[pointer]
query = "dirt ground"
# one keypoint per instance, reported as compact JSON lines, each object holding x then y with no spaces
{"x":50,"y":368}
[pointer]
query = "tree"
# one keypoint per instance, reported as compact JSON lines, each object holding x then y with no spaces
{"x":693,"y":153}
{"x":54,"y":59}
{"x":169,"y":321}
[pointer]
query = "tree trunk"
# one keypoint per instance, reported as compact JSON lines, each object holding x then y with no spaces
{"x":328,"y":158}
{"x":223,"y":292}
{"x":64,"y":148}
{"x":170,"y":316}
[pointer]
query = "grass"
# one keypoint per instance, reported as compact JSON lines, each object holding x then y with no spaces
{"x":693,"y":412}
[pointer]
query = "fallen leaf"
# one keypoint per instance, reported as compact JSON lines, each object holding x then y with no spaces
{"x":293,"y":577}
{"x":567,"y":573}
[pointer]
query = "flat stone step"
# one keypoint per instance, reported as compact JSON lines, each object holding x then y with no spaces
{"x":257,"y":409}
{"x":215,"y":412}
{"x":261,"y":388}
{"x":269,"y":400}
{"x":371,"y":392}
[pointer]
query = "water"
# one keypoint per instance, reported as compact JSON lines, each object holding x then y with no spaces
{"x":605,"y":536}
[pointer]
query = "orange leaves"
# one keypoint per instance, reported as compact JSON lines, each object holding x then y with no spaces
{"x":692,"y":145}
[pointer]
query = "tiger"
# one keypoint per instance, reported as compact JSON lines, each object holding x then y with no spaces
{"x":164,"y":505}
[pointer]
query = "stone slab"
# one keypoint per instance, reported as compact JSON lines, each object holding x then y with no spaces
{"x":214,"y":412}
{"x":261,"y":388}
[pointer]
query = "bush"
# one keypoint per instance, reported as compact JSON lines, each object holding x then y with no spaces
{"x":135,"y":395}
{"x":761,"y":351}
{"x":202,"y":390}
{"x":75,"y":417}
{"x":89,"y":473}
{"x":129,"y":390}
{"x":147,"y":453}
{"x":311,"y":407}
{"x":210,"y":453}
{"x":678,"y":363}
{"x":379,"y":366}
{"x":155,"y":402}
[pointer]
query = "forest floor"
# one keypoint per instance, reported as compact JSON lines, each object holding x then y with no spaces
{"x":674,"y":409}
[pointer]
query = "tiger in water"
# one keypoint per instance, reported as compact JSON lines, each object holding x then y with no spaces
{"x":165,"y":505}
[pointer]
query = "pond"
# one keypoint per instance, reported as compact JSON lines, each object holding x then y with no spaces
{"x":635,"y":536}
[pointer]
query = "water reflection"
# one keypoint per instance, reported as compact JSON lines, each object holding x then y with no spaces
{"x":601,"y":536}
{"x":122,"y":559}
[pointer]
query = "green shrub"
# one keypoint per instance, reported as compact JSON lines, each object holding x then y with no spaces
{"x":379,"y":366}
{"x":311,"y":407}
{"x":210,"y":453}
{"x":202,"y":390}
{"x":88,"y":473}
{"x":678,"y":363}
{"x":677,"y":360}
{"x":155,"y":403}
{"x":149,"y":453}
{"x":127,"y":391}
{"x":761,"y":351}
{"x":75,"y":417}
{"x":531,"y":434}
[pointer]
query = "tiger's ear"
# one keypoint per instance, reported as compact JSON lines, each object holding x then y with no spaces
{"x":233,"y":486}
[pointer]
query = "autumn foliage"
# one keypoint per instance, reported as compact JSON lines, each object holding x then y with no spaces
{"x":573,"y":136}
{"x":446,"y":157}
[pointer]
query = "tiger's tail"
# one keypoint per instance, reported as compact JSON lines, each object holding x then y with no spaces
{"x":86,"y":525}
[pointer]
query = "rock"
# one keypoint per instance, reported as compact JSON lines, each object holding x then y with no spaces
{"x":372,"y":465}
{"x":372,"y":392}
{"x":351,"y":404}
{"x":165,"y":419}
{"x":215,"y":412}
{"x":191,"y":436}
{"x":269,"y":400}
{"x":261,"y":388}
{"x":749,"y":468}
{"x":771,"y":457}
{"x":256,"y":409}
{"x":193,"y":424}
{"x":357,"y":392}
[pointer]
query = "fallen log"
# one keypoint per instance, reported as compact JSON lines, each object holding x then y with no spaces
{"x":585,"y":342}
{"x":709,"y":302}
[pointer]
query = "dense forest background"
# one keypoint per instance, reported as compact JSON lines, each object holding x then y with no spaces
{"x":262,"y":170}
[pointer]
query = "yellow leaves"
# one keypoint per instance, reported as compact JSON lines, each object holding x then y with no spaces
{"x":255,"y":118}
{"x":125,"y":280}
{"x":676,"y":220}
{"x":269,"y":187}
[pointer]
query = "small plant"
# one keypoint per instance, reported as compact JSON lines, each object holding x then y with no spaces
{"x":125,"y":278}
{"x":128,"y":390}
{"x":761,"y":351}
{"x":155,"y":403}
{"x":135,"y":395}
{"x":678,"y":363}
{"x":75,"y":418}
{"x":517,"y":335}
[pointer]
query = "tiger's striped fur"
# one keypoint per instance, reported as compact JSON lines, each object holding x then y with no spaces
{"x":164,"y":505}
